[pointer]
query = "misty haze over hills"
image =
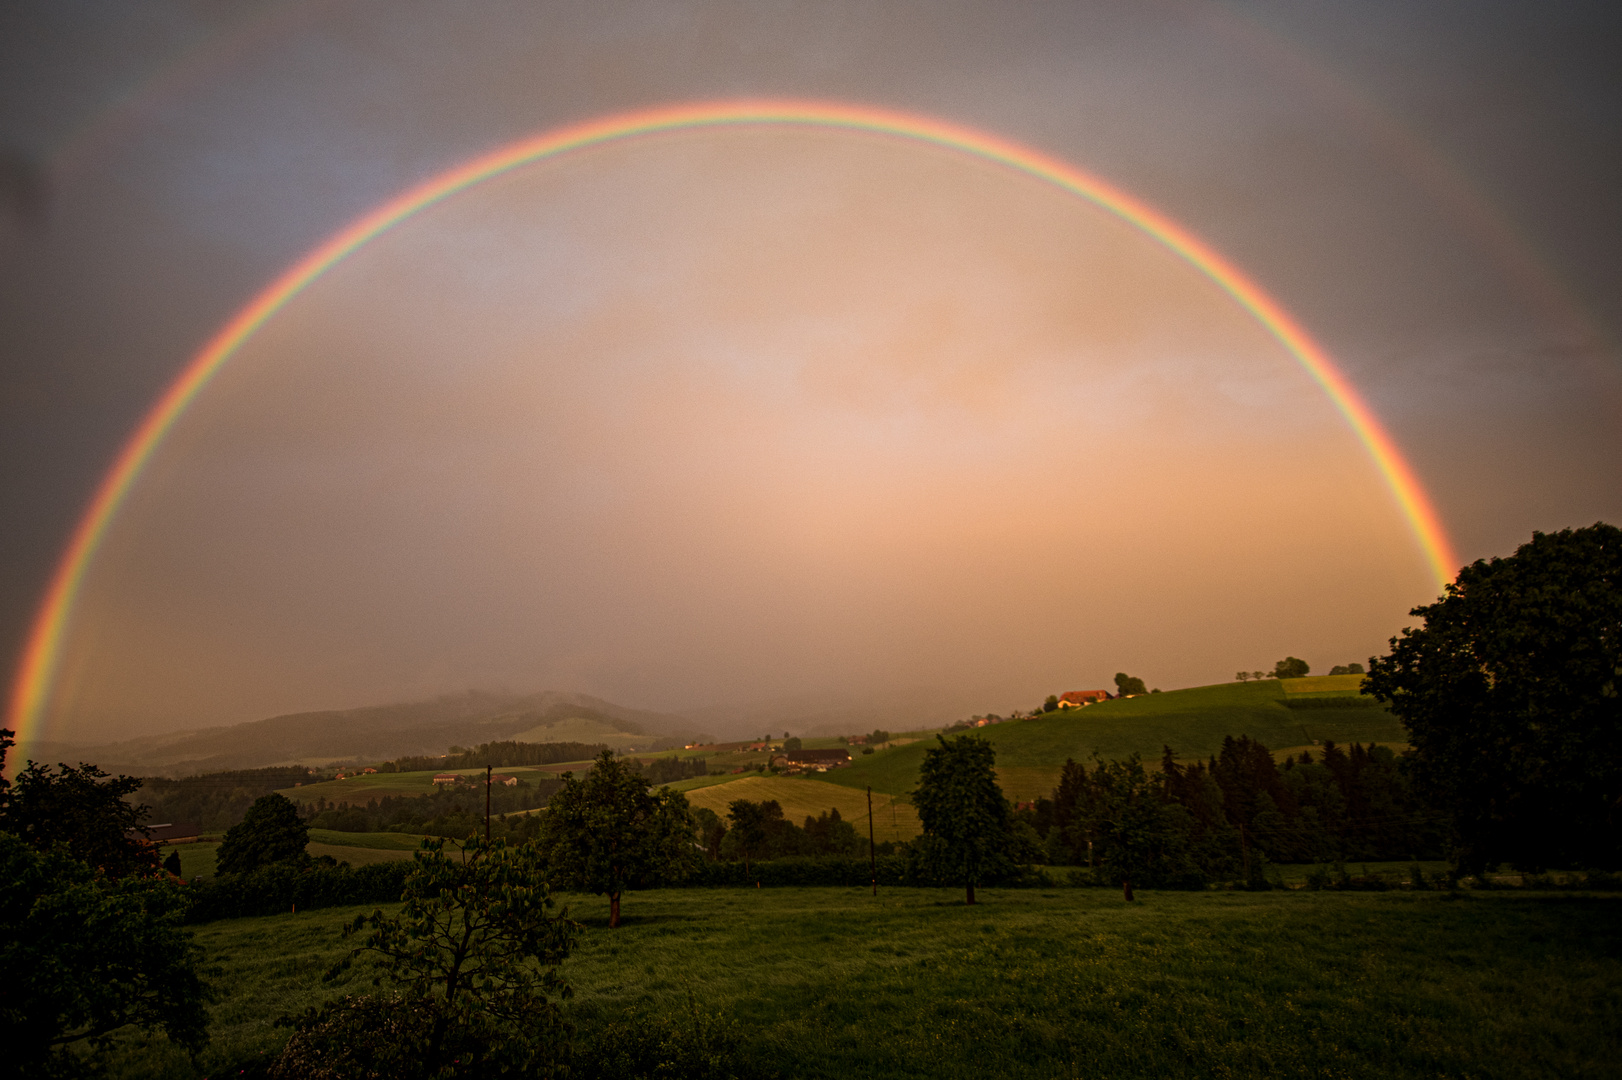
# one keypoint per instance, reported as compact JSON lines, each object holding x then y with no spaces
{"x":380,"y":732}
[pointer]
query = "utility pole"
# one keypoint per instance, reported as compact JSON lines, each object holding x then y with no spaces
{"x":872,"y":852}
{"x":487,"y":779}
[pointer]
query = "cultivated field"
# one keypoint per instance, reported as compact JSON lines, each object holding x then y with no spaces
{"x":803,"y":796}
{"x":1041,"y":984}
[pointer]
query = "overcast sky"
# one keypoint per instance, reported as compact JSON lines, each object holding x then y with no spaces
{"x":737,"y":417}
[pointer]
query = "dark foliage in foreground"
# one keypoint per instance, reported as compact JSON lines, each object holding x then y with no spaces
{"x":1512,"y":695}
{"x":84,"y":955}
{"x":81,"y":808}
{"x":470,"y":967}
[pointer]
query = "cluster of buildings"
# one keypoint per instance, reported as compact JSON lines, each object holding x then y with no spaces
{"x":810,"y":760}
{"x":457,"y":778}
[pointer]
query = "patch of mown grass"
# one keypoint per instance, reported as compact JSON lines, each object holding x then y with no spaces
{"x":1043,"y":983}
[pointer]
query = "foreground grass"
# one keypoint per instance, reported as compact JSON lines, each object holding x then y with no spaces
{"x":837,"y":983}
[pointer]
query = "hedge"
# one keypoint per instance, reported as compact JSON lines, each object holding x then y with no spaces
{"x":271,"y":890}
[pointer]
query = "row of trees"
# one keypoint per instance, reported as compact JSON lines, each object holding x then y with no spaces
{"x":756,"y":831}
{"x":450,"y":811}
{"x":1232,"y":814}
{"x":506,"y":754}
{"x":216,"y":801}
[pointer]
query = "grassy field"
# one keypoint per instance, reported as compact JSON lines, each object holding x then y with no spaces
{"x":195,"y":858}
{"x":803,"y":796}
{"x":837,"y":983}
{"x":1193,"y":722}
{"x":1338,"y":685}
{"x":357,"y":849}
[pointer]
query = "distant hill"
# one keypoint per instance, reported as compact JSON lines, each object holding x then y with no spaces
{"x":381,"y":732}
{"x":1192,"y":722}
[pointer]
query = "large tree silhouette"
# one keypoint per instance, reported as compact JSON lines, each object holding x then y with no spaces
{"x":1511,"y":691}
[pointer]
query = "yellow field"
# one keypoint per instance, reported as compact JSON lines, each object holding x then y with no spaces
{"x":802,"y":798}
{"x":1323,"y":684}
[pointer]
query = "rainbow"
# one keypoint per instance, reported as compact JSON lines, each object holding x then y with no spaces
{"x":37,"y":666}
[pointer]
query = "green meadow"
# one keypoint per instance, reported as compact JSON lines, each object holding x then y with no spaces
{"x":1033,"y":983}
{"x":1192,"y":722}
{"x":357,"y":849}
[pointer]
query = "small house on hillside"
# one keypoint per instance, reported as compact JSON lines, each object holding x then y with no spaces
{"x":446,"y":778}
{"x":1075,"y":699}
{"x":504,"y":780}
{"x":820,"y":760}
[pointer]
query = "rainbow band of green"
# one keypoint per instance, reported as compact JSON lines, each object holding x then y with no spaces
{"x":37,"y":669}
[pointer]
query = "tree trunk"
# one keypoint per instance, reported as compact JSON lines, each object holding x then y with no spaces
{"x":614,"y":910}
{"x":1126,"y":889}
{"x":970,"y":900}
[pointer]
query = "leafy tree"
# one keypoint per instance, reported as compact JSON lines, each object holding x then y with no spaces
{"x":830,"y":834}
{"x":965,"y":817}
{"x":270,"y":832}
{"x":608,"y":832}
{"x":1050,"y":703}
{"x":171,"y":865}
{"x":1135,"y":840}
{"x":711,"y":830}
{"x":751,"y":824}
{"x":85,"y":954}
{"x":1347,"y":669}
{"x":1243,"y":676}
{"x":83,"y":808}
{"x":791,"y":744}
{"x":1511,"y":692}
{"x":471,"y":962}
{"x":1128,"y":684}
{"x":1291,"y":668}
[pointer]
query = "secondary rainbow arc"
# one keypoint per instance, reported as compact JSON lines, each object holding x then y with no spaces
{"x":37,"y":667}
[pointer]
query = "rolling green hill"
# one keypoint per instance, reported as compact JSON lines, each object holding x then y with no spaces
{"x":1193,"y":722}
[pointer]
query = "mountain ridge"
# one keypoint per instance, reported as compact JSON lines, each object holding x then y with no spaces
{"x":375,"y":732}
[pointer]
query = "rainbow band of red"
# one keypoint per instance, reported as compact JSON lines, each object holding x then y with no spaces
{"x":38,"y":664}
